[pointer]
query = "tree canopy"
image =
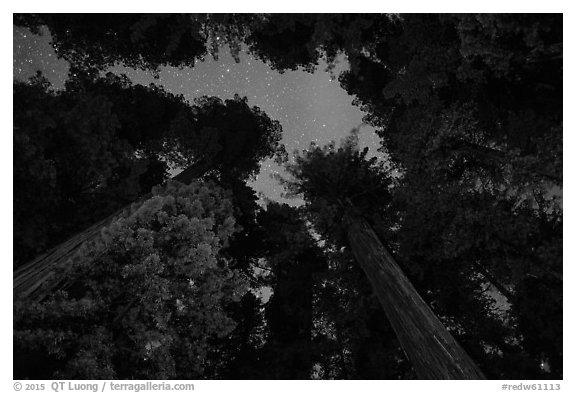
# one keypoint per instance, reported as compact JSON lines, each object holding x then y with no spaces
{"x":468,"y":108}
{"x":151,"y":291}
{"x":100,"y":143}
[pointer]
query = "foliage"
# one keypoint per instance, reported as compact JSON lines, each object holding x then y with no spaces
{"x":229,"y":136}
{"x":99,"y":144}
{"x":330,"y":179}
{"x":295,"y":261}
{"x":474,"y":213}
{"x":469,"y":109}
{"x":144,"y":41}
{"x":284,"y":41}
{"x":146,"y":297}
{"x":352,"y":338}
{"x":446,"y":243}
{"x":137,"y":40}
{"x":67,"y":149}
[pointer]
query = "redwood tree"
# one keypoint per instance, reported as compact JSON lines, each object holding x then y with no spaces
{"x":340,"y":187}
{"x":144,"y":299}
{"x":226,"y":139}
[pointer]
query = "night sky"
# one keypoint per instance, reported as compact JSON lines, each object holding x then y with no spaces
{"x":310,"y":107}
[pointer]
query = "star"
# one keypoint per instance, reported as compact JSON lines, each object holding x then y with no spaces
{"x":295,"y":98}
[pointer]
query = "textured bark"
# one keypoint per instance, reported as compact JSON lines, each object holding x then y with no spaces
{"x":432,"y":350}
{"x":38,"y":278}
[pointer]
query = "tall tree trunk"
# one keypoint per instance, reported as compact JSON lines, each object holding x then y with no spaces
{"x":433,"y":351}
{"x":38,"y":278}
{"x":289,"y":316}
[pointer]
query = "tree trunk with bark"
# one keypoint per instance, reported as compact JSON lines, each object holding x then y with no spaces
{"x":38,"y":278}
{"x":433,"y":351}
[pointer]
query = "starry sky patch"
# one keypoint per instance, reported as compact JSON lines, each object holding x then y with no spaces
{"x":311,"y":107}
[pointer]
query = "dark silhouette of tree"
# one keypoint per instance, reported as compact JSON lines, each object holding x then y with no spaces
{"x":469,"y":109}
{"x":352,"y":337}
{"x":234,"y":138}
{"x":237,"y":355}
{"x":143,"y":41}
{"x":76,"y":150}
{"x":477,"y":132}
{"x":143,"y":299}
{"x":294,"y":259}
{"x":137,"y":40}
{"x":224,"y":138}
{"x":285,"y":41}
{"x":338,"y":183}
